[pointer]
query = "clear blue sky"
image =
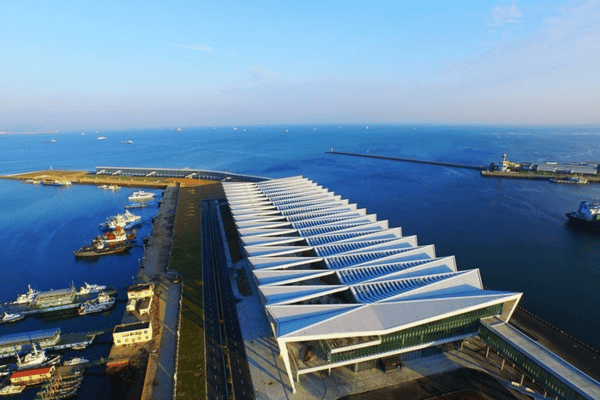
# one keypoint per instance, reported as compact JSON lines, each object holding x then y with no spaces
{"x":141,"y":64}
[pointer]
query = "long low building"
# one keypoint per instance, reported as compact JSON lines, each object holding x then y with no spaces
{"x":341,"y":288}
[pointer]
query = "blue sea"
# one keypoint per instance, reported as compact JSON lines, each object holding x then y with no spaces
{"x":513,"y":231}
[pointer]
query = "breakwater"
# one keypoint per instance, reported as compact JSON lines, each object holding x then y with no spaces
{"x":411,"y":160}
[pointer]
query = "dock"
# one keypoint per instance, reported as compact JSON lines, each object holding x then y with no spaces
{"x":411,"y":160}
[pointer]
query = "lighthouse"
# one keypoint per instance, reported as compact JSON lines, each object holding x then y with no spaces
{"x":503,"y":163}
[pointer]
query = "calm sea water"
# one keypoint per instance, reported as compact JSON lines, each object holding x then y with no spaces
{"x":514,"y":231}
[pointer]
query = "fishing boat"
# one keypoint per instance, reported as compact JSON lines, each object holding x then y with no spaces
{"x":126,"y":221}
{"x":11,"y":389}
{"x":98,"y":248}
{"x":140,"y":195}
{"x":36,"y":358}
{"x":11,"y":317}
{"x":27,"y":297}
{"x":117,"y":236}
{"x":101,"y":303}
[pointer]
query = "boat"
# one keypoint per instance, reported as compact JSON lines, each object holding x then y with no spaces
{"x":79,"y":346}
{"x":76,"y":361}
{"x":87,"y":288}
{"x":98,"y":248}
{"x":62,"y":183}
{"x":139,"y":205}
{"x":11,"y":317}
{"x":101,"y":303}
{"x":108,"y":187}
{"x":127,"y":142}
{"x":587,"y":216}
{"x":101,"y":137}
{"x":141,"y":195}
{"x":577,"y":180}
{"x":58,"y":393}
{"x":36,"y":358}
{"x":27,"y":297}
{"x":117,"y":236}
{"x":125,"y":221}
{"x":11,"y":389}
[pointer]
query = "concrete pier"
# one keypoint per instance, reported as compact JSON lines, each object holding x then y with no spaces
{"x":411,"y":160}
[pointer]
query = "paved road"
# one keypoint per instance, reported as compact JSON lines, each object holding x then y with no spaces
{"x":216,"y":384}
{"x":240,"y":372}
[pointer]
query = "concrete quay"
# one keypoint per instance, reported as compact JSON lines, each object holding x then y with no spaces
{"x":154,"y":362}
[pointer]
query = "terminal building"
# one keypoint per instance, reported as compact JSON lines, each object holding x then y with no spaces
{"x":342,"y":289}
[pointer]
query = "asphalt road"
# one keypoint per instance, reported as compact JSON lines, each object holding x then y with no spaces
{"x":240,"y":372}
{"x":216,"y":383}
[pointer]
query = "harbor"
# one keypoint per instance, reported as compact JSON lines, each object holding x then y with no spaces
{"x":155,"y":360}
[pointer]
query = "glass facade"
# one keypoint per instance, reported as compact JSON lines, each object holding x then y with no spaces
{"x":528,"y":366}
{"x":447,"y":328}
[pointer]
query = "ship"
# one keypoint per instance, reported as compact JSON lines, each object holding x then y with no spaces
{"x":7,"y":317}
{"x":93,"y":288}
{"x":118,"y":236}
{"x":98,"y":248}
{"x":9,"y":390}
{"x":576,"y":180}
{"x":126,"y":220}
{"x":587,"y":216}
{"x":141,"y":195}
{"x":101,"y":303}
{"x":36,"y":358}
{"x":27,"y":297}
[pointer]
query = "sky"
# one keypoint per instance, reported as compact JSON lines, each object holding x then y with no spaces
{"x":76,"y":65}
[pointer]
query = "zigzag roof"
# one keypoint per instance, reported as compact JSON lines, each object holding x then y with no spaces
{"x":327,"y":268}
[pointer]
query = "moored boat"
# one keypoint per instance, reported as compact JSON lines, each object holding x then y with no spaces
{"x":587,"y":216}
{"x":576,"y":180}
{"x":98,"y":248}
{"x":101,"y":303}
{"x":76,"y":361}
{"x":141,"y":195}
{"x":119,"y":235}
{"x":11,"y":389}
{"x":36,"y":358}
{"x":126,"y":221}
{"x":7,"y":317}
{"x":27,"y":297}
{"x":93,"y":288}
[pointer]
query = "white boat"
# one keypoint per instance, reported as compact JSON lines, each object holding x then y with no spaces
{"x":11,"y":389}
{"x":109,"y":187}
{"x":101,"y":137}
{"x":126,"y":221}
{"x":76,"y":361}
{"x":127,"y":142}
{"x":62,"y":183}
{"x":27,"y":297}
{"x":87,"y":288}
{"x":141,"y":195}
{"x":36,"y":358}
{"x":11,"y":317}
{"x":99,"y":304}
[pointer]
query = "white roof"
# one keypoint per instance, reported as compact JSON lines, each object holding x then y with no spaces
{"x":326,"y":268}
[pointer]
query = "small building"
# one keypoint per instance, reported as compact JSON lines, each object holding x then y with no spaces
{"x":131,"y":305}
{"x":32,"y":376}
{"x":137,"y":332}
{"x":143,"y":306}
{"x":140,"y":291}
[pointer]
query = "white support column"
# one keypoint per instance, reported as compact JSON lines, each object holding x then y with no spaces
{"x":286,"y":361}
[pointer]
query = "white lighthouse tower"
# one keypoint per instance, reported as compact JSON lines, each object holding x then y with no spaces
{"x":503,"y":163}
